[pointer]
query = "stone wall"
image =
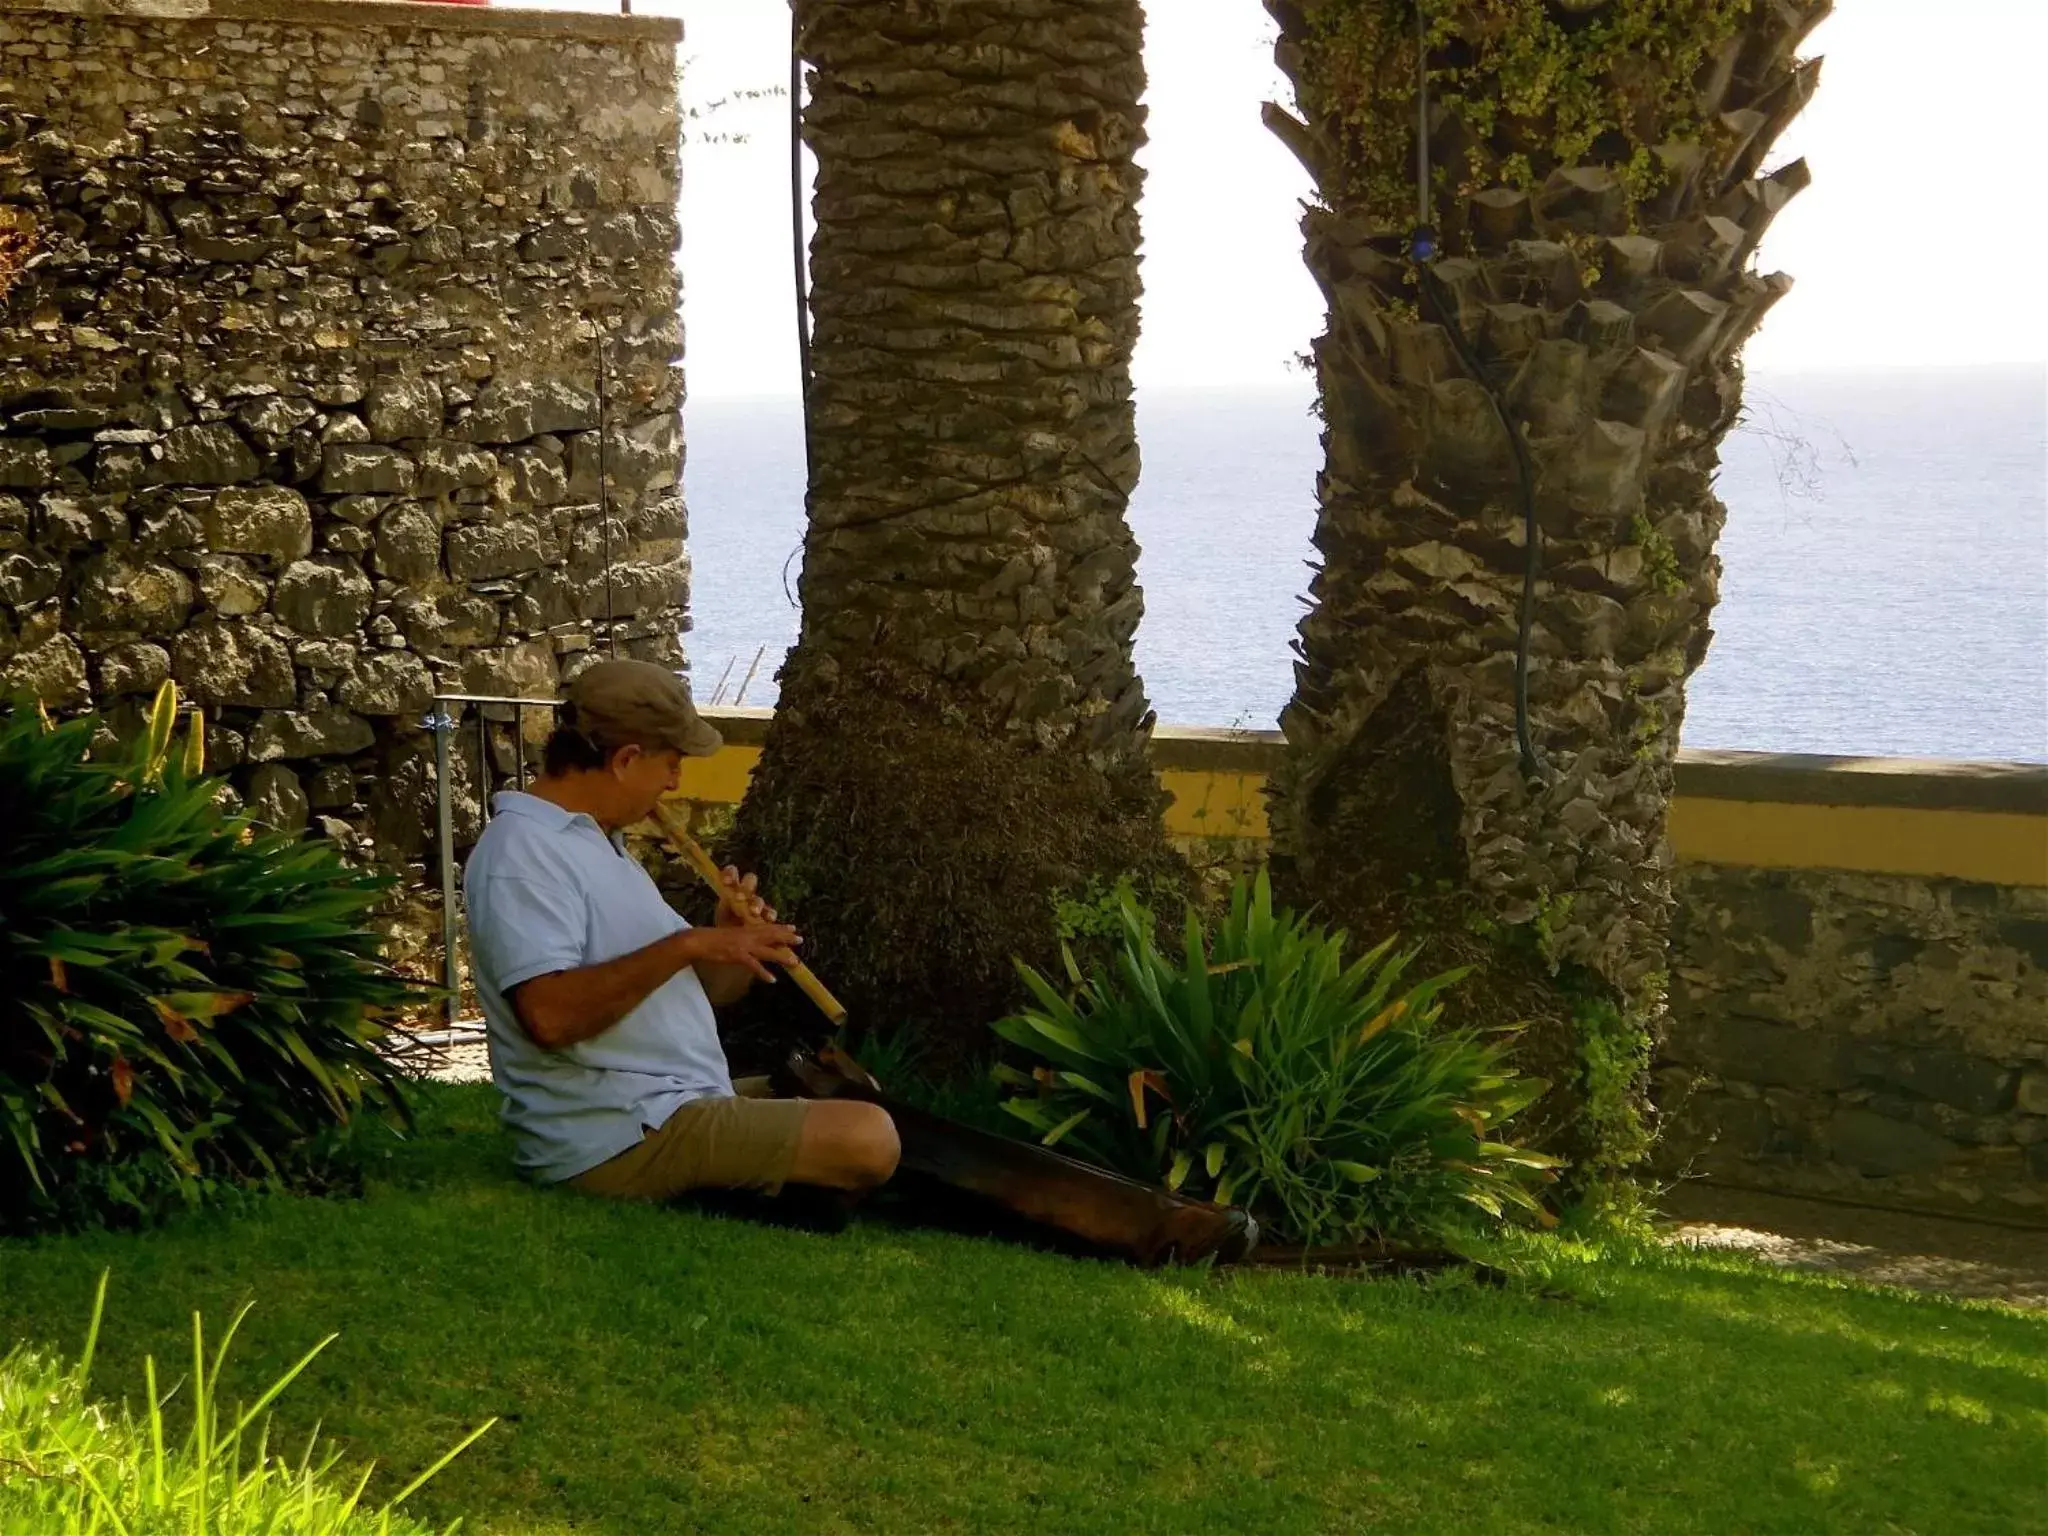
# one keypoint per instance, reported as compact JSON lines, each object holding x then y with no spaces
{"x":1866,"y":1034}
{"x":298,"y":400}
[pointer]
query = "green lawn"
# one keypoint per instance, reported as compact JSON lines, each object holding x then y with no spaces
{"x":659,"y":1371}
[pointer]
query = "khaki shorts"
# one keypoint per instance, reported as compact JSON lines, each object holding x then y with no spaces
{"x":748,"y":1142}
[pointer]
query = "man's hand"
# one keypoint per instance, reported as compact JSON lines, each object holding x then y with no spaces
{"x":753,"y":948}
{"x":742,"y":903}
{"x":742,"y":912}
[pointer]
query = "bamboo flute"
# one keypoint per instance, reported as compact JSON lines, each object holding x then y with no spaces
{"x":679,"y":838}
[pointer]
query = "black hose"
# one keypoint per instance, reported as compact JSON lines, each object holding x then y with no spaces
{"x":796,"y":226}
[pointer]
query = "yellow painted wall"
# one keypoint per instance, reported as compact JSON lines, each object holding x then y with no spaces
{"x":1999,"y":848}
{"x":1216,"y":804}
{"x":720,"y":779}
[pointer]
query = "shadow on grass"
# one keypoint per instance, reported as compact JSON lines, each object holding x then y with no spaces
{"x":666,"y":1371}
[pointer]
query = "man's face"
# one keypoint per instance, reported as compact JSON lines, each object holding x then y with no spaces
{"x":642,"y":775}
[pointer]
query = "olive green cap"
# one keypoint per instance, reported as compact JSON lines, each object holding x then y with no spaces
{"x":637,"y":704}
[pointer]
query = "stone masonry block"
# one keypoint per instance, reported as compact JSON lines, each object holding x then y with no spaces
{"x":1875,"y":1144}
{"x":329,"y":596}
{"x":277,"y":799}
{"x":230,"y":587}
{"x":507,"y":548}
{"x":1968,"y":1083}
{"x":313,"y":733}
{"x":233,"y":663}
{"x":390,"y":683}
{"x":367,"y":469}
{"x":404,"y":407}
{"x":212,"y":453}
{"x":53,"y":672}
{"x":271,"y":520}
{"x":409,"y":543}
{"x":1753,"y":1051}
{"x":25,"y":464}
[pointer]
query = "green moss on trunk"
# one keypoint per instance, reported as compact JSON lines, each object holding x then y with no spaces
{"x":922,"y":849}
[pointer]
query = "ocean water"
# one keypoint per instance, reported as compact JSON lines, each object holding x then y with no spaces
{"x":1886,"y":559}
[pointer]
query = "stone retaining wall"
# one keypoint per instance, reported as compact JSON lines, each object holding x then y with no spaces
{"x":1866,"y":1034}
{"x":297,"y":393}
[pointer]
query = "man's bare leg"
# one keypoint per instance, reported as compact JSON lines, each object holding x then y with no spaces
{"x":845,"y":1144}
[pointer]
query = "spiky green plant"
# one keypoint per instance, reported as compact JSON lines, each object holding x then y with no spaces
{"x":190,"y":1004}
{"x":70,"y":1466}
{"x":1330,"y":1099}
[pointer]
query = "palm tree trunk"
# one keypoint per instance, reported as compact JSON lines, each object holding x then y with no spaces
{"x":1596,"y":274}
{"x":961,"y":731}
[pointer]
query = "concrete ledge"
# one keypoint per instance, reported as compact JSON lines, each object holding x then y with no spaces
{"x":1985,"y":822}
{"x":740,"y":727}
{"x":1921,"y":783}
{"x":1216,"y":749}
{"x":396,"y":14}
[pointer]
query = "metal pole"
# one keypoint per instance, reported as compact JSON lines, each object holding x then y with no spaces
{"x":443,"y":725}
{"x":494,"y":698}
{"x":483,"y":763}
{"x":519,"y":746}
{"x":741,"y":697}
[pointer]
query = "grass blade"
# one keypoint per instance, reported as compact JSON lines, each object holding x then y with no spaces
{"x":425,"y":1477}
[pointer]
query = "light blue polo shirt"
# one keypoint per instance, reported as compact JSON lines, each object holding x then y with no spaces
{"x":546,"y":890}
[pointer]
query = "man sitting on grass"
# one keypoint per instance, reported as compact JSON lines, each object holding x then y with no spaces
{"x":598,"y":997}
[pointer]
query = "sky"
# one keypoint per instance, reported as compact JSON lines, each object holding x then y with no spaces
{"x":1918,"y":244}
